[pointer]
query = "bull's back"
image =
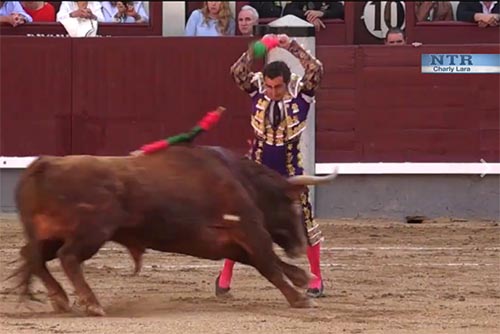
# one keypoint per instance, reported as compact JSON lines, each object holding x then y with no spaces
{"x":55,"y":195}
{"x":185,"y":174}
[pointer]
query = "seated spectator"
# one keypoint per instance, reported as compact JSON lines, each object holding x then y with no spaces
{"x":13,"y":13}
{"x":395,"y":36}
{"x":247,"y":18}
{"x":40,"y":11}
{"x":485,"y":13}
{"x":313,"y":12}
{"x":80,"y":9}
{"x":433,"y":11}
{"x":124,"y":12}
{"x":269,"y":9}
{"x":214,"y":19}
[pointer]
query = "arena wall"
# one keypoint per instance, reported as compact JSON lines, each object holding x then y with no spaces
{"x":107,"y":96}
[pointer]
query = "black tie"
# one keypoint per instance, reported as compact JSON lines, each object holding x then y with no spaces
{"x":276,"y":115}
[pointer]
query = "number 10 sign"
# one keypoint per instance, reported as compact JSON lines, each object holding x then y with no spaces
{"x":380,"y":16}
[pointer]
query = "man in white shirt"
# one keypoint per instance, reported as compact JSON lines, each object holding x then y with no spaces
{"x":80,"y":9}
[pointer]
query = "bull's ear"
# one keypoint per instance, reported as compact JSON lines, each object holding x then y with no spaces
{"x":295,"y":190}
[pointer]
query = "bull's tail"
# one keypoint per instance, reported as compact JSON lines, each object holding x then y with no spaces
{"x":26,"y":196}
{"x":24,"y":273}
{"x":30,"y":259}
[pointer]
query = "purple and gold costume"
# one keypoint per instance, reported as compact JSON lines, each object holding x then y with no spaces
{"x":276,"y":144}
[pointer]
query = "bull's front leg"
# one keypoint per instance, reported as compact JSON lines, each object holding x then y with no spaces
{"x":298,"y":276}
{"x":269,"y":265}
{"x":272,"y":270}
{"x":126,"y":237}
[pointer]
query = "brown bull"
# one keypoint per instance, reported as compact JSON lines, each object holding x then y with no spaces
{"x":186,"y":200}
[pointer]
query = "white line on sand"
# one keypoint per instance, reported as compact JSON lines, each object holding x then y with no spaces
{"x":339,"y":265}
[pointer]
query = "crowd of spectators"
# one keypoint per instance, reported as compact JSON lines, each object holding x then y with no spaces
{"x":215,"y":18}
{"x":484,"y":13}
{"x":20,"y":12}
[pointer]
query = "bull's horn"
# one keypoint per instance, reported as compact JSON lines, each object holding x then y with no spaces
{"x":309,"y":180}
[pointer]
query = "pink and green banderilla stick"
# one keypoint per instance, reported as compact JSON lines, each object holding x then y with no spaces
{"x":206,"y":123}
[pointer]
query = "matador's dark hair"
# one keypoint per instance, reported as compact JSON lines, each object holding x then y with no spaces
{"x":277,"y":69}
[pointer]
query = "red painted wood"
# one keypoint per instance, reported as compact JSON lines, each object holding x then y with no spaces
{"x":397,"y":113}
{"x":157,"y":87}
{"x":35,"y":96}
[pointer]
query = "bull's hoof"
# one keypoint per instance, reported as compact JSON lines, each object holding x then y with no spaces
{"x":91,"y":310}
{"x":95,"y":310}
{"x":316,"y":292}
{"x":60,"y":304}
{"x":304,"y":303}
{"x":221,"y":292}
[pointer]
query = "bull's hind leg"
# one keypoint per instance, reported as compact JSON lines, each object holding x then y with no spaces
{"x":57,"y":295}
{"x":72,"y":254}
{"x":35,"y":256}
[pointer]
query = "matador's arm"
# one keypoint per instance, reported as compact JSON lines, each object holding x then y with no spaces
{"x":313,"y":68}
{"x":242,"y":72}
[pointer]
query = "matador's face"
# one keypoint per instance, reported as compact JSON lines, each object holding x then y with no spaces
{"x":275,"y":88}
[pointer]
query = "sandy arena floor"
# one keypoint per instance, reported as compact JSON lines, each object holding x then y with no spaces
{"x":381,"y":277}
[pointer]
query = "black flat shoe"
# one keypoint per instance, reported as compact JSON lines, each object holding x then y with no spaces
{"x":218,"y":290}
{"x":315,"y":292}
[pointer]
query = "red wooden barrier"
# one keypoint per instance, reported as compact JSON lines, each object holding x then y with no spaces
{"x":376,"y":105}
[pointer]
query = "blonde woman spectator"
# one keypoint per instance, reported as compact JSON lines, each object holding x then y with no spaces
{"x":13,"y":13}
{"x":80,"y":9}
{"x":247,"y":18}
{"x":124,"y":12}
{"x":214,"y":19}
{"x":40,"y":11}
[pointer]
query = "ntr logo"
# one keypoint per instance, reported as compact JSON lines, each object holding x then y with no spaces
{"x":465,"y":60}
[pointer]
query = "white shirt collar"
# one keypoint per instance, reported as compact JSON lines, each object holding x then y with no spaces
{"x":487,"y":10}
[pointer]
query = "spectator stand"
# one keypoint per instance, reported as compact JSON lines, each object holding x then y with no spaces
{"x":447,"y":32}
{"x":337,"y":32}
{"x":152,"y":28}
